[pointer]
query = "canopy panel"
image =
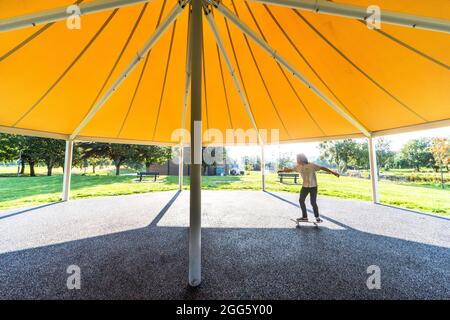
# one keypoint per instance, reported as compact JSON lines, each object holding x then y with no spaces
{"x":388,"y":79}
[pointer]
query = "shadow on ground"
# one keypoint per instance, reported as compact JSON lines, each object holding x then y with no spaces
{"x":238,"y":263}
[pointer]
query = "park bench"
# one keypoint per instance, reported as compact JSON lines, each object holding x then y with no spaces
{"x":151,"y":174}
{"x":294,"y":176}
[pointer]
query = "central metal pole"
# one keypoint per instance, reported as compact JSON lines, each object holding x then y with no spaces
{"x":196,"y":146}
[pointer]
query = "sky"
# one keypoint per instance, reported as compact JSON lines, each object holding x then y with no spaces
{"x":312,"y":151}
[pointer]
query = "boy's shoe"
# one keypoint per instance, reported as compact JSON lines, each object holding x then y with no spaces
{"x":318,"y":220}
{"x":302,"y":220}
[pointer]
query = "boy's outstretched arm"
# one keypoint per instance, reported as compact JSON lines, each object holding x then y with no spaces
{"x":330,"y":171}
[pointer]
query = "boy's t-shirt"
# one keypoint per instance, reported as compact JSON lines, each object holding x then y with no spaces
{"x":308,"y":173}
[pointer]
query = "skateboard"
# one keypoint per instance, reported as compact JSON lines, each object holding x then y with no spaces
{"x":298,"y":222}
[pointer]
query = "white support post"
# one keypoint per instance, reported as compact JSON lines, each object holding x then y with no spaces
{"x":373,"y":170}
{"x":181,"y":167}
{"x":196,"y":146}
{"x":263,"y":168}
{"x":67,"y":170}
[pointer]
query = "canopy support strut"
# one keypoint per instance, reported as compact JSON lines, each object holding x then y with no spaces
{"x":67,"y":170}
{"x":227,"y":60}
{"x":361,"y":13}
{"x":373,"y":170}
{"x":165,"y":24}
{"x":196,"y":146}
{"x":58,"y":14}
{"x":273,"y":53}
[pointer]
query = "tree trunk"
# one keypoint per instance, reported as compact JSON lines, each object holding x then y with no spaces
{"x":22,"y":167}
{"x":32,"y":173}
{"x":117,"y":169}
{"x":93,"y":168}
{"x":49,"y":168}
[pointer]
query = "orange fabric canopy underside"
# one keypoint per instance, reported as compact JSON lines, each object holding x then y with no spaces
{"x":388,"y":79}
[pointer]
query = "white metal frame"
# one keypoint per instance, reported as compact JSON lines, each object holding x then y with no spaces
{"x":34,"y":133}
{"x":180,"y":167}
{"x":67,"y":170}
{"x":187,"y":79}
{"x":165,"y":24}
{"x":263,"y":168}
{"x":185,"y":102}
{"x":373,"y":170}
{"x":58,"y":14}
{"x":273,"y":53}
{"x":360,"y":13}
{"x":230,"y":68}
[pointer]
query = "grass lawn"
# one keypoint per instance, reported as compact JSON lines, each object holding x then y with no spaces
{"x":29,"y":191}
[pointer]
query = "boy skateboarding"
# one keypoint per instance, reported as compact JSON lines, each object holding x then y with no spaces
{"x":308,"y":172}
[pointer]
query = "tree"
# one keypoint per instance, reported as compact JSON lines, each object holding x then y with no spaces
{"x":385,"y":157}
{"x":30,"y":152}
{"x":440,"y":150}
{"x":118,"y":153}
{"x":342,"y":153}
{"x":9,"y":149}
{"x":360,"y":155}
{"x":153,"y":154}
{"x":51,"y":152}
{"x":416,"y":153}
{"x":285,"y":161}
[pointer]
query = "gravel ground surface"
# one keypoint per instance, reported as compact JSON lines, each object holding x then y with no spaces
{"x":135,"y":247}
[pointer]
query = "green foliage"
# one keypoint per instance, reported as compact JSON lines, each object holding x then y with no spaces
{"x":285,"y":161}
{"x":416,"y":154}
{"x":352,"y":154}
{"x":120,"y":154}
{"x":152,"y":154}
{"x":344,"y":153}
{"x":9,"y":149}
{"x":385,"y":157}
{"x":32,"y":150}
{"x":441,"y":152}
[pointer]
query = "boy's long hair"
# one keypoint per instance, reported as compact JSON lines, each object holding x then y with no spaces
{"x":302,"y":158}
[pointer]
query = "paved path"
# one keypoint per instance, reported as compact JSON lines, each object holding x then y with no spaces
{"x":136,"y":247}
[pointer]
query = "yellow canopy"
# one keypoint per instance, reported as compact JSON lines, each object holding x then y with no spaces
{"x":393,"y":79}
